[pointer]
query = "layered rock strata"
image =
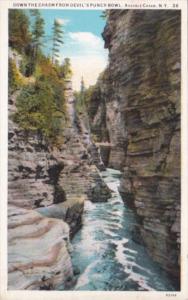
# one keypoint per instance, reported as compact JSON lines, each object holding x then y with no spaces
{"x":142,"y":103}
{"x":38,"y":251}
{"x":47,"y":188}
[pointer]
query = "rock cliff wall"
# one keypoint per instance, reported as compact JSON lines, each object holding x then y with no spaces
{"x":36,"y":245}
{"x":97,"y":110}
{"x":141,"y":93}
{"x":47,"y":188}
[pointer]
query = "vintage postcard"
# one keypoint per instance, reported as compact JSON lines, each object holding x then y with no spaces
{"x":93,"y":149}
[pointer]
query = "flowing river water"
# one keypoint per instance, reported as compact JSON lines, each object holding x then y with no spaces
{"x":104,"y":252}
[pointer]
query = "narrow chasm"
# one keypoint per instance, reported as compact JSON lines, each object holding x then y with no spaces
{"x":104,"y":253}
{"x":94,"y":175}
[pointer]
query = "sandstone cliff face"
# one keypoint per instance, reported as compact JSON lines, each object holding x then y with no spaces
{"x":46,"y":194}
{"x":36,"y":245}
{"x":38,"y":251}
{"x":142,"y":99}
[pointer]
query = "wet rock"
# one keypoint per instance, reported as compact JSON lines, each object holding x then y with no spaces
{"x":59,"y":194}
{"x":46,"y":194}
{"x":140,"y":107}
{"x":100,"y":192}
{"x":144,"y":79}
{"x":76,"y":271}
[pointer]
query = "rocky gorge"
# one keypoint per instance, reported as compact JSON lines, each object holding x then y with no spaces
{"x":47,"y":189}
{"x":138,"y":101}
{"x":112,"y":205}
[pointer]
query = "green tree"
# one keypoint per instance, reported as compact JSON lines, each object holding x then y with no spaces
{"x":37,"y":30}
{"x":41,"y":104}
{"x":37,"y":38}
{"x":19,"y":35}
{"x":57,"y":40}
{"x":39,"y":110}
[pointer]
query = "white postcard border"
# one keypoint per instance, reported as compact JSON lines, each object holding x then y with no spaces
{"x":77,"y":4}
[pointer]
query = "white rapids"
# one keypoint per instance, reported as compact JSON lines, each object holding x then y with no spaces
{"x":104,"y":250}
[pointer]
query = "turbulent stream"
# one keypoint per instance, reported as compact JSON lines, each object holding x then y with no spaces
{"x":104,"y":252}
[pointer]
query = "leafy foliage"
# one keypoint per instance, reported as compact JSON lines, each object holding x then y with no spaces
{"x":37,"y":28}
{"x":19,"y":35}
{"x":14,"y":79}
{"x":51,"y":75}
{"x":38,"y":111}
{"x":40,"y":104}
{"x":26,"y":41}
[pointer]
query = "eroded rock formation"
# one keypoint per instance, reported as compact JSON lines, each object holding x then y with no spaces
{"x":38,"y":251}
{"x":46,"y":194}
{"x":141,"y":95}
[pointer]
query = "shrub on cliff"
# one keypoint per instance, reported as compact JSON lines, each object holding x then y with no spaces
{"x":15,"y":80}
{"x":50,"y":74}
{"x":38,"y":110}
{"x":40,"y":104}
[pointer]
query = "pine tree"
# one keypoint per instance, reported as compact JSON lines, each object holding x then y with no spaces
{"x":57,"y":39}
{"x":37,"y":32}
